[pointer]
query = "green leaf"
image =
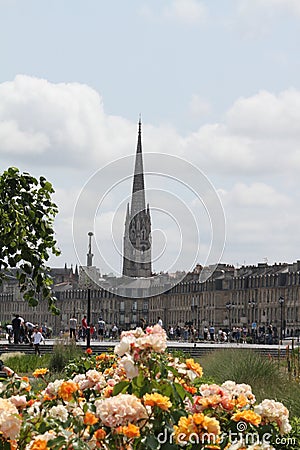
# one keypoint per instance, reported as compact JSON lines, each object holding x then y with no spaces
{"x":57,"y":442}
{"x":121,"y":387}
{"x":152,"y":442}
{"x":180,"y":391}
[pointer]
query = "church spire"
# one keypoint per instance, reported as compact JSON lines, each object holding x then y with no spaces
{"x":137,"y":236}
{"x":138,"y":188}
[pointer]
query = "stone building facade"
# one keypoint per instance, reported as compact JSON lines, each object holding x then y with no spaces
{"x":231,"y":297}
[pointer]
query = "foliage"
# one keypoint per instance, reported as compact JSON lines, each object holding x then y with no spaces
{"x":27,"y":236}
{"x":63,"y":352}
{"x":26,"y":363}
{"x":140,"y":398}
{"x":293,"y":438}
{"x":266,"y":375}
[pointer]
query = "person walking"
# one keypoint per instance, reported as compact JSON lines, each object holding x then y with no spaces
{"x":212,"y":333}
{"x":16,"y":326}
{"x":37,"y":338}
{"x":101,"y":329}
{"x":84,"y":326}
{"x":73,"y":326}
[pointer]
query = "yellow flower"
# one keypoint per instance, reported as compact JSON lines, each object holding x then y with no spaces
{"x":186,"y":427}
{"x":247,"y":416}
{"x":241,"y":401}
{"x":195,"y":367}
{"x":197,"y":424}
{"x":40,"y":372}
{"x":159,"y":400}
{"x":211,"y":425}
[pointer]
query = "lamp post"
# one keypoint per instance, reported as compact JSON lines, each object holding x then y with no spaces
{"x":281,"y":303}
{"x":229,"y":307}
{"x":88,"y":319}
{"x":252,"y":305}
{"x":89,"y":263}
{"x":194,"y":308}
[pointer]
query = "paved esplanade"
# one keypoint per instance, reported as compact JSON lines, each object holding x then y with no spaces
{"x":197,"y":349}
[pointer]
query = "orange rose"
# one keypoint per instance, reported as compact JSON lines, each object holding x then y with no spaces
{"x":100,"y":434}
{"x":67,"y":389}
{"x":131,"y":431}
{"x":90,"y":418}
{"x":39,"y":444}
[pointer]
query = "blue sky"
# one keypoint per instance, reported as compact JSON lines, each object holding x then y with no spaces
{"x":217,"y":84}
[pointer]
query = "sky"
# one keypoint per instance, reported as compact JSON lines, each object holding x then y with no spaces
{"x":217,"y":84}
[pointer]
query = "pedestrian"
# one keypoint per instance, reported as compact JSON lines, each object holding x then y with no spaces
{"x":212,"y":333}
{"x":159,"y":321}
{"x":171,"y":333}
{"x":73,"y":326}
{"x":143,"y":324}
{"x":37,"y":338}
{"x":84,"y":325}
{"x":114,"y":331}
{"x":101,"y":328}
{"x":16,"y":326}
{"x":92,"y":331}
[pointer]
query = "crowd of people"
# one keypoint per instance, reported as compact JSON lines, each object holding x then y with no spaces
{"x":256,"y":335}
{"x":99,"y":331}
{"x":22,"y":332}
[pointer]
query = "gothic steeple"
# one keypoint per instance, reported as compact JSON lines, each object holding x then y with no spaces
{"x":137,"y":236}
{"x":89,"y":256}
{"x":138,"y":187}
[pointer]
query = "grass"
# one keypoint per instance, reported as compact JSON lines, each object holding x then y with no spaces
{"x":24,"y":364}
{"x":267,"y":378}
{"x":63,"y":353}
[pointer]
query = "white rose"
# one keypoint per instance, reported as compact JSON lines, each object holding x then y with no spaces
{"x":130,"y":368}
{"x":124,"y":345}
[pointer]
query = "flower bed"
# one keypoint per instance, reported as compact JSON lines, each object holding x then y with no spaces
{"x":140,"y":397}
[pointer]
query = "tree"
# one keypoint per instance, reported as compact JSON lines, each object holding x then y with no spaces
{"x":26,"y":233}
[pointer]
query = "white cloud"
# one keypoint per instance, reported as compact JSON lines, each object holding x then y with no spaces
{"x":199,"y":107}
{"x":255,"y":195}
{"x":267,"y":115}
{"x":255,"y":18}
{"x":187,"y":11}
{"x":260,"y":135}
{"x":63,"y":122}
